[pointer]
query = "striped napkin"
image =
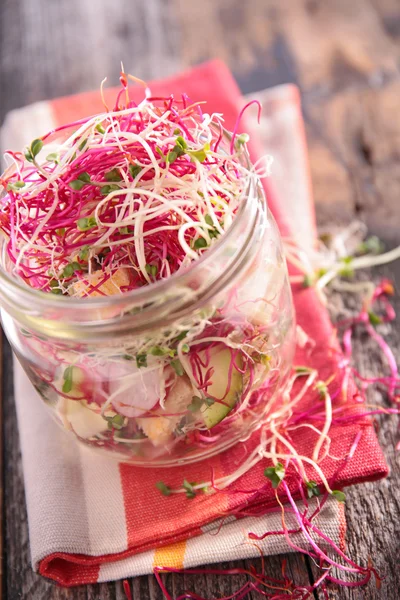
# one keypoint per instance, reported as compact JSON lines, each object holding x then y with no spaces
{"x":91,"y":519}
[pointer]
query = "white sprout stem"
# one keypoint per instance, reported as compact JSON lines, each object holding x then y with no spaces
{"x":326,"y":427}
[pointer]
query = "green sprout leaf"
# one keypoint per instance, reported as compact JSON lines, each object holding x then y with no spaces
{"x":151,"y":269}
{"x":242,"y":139}
{"x":116,"y":422}
{"x":141,"y":360}
{"x":100,"y":128}
{"x":209,"y":401}
{"x":84,"y":253}
{"x":339,"y":495}
{"x":275,"y":474}
{"x":200,"y":243}
{"x":16,"y":186}
{"x":185,"y":348}
{"x":53,"y":157}
{"x":68,"y":380}
{"x":199,"y":155}
{"x":164,"y":489}
{"x":82,"y":144}
{"x":371,"y":245}
{"x":86,"y":223}
{"x":312,"y":489}
{"x":107,"y":189}
{"x":374,"y":319}
{"x":177,"y":366}
{"x":196,"y":404}
{"x":347,"y":270}
{"x":321,"y":387}
{"x":28,"y":155}
{"x":135,"y":170}
{"x":190,"y":492}
{"x":157,"y":351}
{"x":36,"y":147}
{"x":303,"y":370}
{"x":113,"y":175}
{"x":307,"y":281}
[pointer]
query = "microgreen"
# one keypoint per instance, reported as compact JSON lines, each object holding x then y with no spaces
{"x":68,"y":380}
{"x":177,"y":366}
{"x":275,"y":474}
{"x":113,"y":175}
{"x":16,"y":186}
{"x":135,"y":170}
{"x":339,"y":495}
{"x":164,"y":489}
{"x":190,"y":491}
{"x":141,"y":360}
{"x":86,"y":223}
{"x":312,"y":489}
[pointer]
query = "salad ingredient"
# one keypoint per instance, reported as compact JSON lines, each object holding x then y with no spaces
{"x":226,"y":383}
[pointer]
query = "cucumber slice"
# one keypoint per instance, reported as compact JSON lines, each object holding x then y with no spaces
{"x":220,"y":360}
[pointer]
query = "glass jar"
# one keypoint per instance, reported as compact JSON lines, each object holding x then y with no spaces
{"x":173,"y":372}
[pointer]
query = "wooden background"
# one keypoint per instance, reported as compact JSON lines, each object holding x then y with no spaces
{"x":345,"y":56}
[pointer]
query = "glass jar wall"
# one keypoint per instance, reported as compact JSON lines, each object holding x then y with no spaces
{"x":173,"y":372}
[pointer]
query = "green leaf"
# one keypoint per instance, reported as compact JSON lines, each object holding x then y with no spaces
{"x":107,"y":189}
{"x":200,"y":243}
{"x":60,"y":231}
{"x":84,"y":177}
{"x":100,"y":128}
{"x":68,"y":271}
{"x":135,"y":170}
{"x":347,"y":270}
{"x":371,"y":245}
{"x":53,"y":157}
{"x":82,"y":144}
{"x":307,"y":281}
{"x":374,"y":319}
{"x":84,"y":252}
{"x":181,"y":336}
{"x":117,"y":421}
{"x":151,"y":270}
{"x":86,"y":223}
{"x":68,"y":380}
{"x":28,"y":155}
{"x":339,"y":495}
{"x":275,"y":474}
{"x":177,"y":131}
{"x":199,"y":155}
{"x":157,"y":351}
{"x":208,"y":220}
{"x":303,"y":370}
{"x":177,"y":366}
{"x":113,"y":175}
{"x":181,"y":143}
{"x":321,"y":387}
{"x":16,"y":186}
{"x":190,"y":492}
{"x":209,"y":401}
{"x":36,"y":147}
{"x":171,"y":157}
{"x":123,"y":230}
{"x":141,"y":360}
{"x":312,"y":489}
{"x":160,"y":152}
{"x":185,"y":348}
{"x":196,"y":404}
{"x":164,"y":489}
{"x":76,"y":185}
{"x":242,"y":139}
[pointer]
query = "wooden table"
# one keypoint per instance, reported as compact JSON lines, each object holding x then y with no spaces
{"x":345,"y":56}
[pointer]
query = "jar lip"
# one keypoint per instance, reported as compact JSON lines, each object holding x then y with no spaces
{"x":146,"y":293}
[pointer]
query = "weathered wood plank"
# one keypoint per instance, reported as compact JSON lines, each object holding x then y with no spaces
{"x":49,"y":49}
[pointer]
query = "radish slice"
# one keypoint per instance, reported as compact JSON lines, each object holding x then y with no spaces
{"x":133,"y":391}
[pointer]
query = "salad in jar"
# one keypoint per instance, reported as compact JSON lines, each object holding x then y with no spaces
{"x":148,"y":225}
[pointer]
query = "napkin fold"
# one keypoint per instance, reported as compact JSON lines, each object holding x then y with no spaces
{"x":91,"y":519}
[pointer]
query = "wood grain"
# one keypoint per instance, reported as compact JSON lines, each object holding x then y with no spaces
{"x":344,"y":55}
